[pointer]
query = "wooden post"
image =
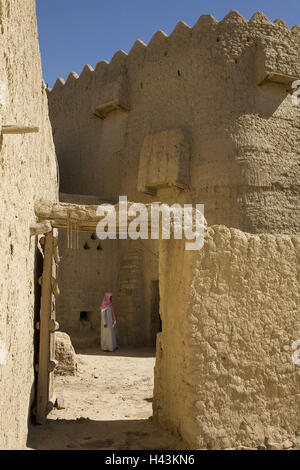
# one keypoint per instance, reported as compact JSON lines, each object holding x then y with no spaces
{"x":17,"y":129}
{"x":45,"y":317}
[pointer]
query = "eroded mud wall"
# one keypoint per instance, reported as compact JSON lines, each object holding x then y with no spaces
{"x":27,"y":174}
{"x":224,"y":374}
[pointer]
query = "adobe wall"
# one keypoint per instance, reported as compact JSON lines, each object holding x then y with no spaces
{"x":27,"y":174}
{"x":224,"y":374}
{"x":219,"y":91}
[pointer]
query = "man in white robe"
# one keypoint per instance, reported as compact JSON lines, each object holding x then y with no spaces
{"x":108,"y":321}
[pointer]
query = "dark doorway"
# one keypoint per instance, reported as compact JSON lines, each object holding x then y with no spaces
{"x":156,"y":324}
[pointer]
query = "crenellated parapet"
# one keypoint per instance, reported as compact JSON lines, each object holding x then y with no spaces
{"x":204,"y":114}
{"x":231,"y":36}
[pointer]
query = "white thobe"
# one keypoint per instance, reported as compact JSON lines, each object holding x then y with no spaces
{"x":108,"y":337}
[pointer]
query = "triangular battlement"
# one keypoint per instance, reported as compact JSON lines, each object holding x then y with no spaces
{"x":234,"y":17}
{"x":206,"y":24}
{"x":260,"y":18}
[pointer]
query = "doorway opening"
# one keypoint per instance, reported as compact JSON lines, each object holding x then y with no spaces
{"x":119,"y":383}
{"x":85,"y":321}
{"x":109,"y":387}
{"x":156,"y":323}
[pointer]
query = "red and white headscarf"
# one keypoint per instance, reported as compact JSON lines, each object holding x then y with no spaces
{"x":106,"y":302}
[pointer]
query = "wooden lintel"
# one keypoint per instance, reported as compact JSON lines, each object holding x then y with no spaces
{"x":17,"y":129}
{"x":81,"y":218}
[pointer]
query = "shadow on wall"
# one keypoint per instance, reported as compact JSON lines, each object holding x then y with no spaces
{"x":38,"y":270}
{"x":269,"y":99}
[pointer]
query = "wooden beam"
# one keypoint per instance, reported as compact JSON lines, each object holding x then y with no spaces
{"x":82,"y":218}
{"x":16,"y":129}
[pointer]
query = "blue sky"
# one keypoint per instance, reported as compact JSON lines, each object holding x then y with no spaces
{"x":78,"y":32}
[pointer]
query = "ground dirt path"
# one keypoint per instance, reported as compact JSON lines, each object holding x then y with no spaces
{"x":108,"y":405}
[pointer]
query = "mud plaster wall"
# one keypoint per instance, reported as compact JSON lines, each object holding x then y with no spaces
{"x":27,"y":173}
{"x":224,"y":374}
{"x":244,"y":138}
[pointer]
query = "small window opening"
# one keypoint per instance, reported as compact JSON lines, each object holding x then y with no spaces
{"x":99,"y":247}
{"x":85,"y":321}
{"x":94,"y":236}
{"x":87,"y":246}
{"x":84,"y":316}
